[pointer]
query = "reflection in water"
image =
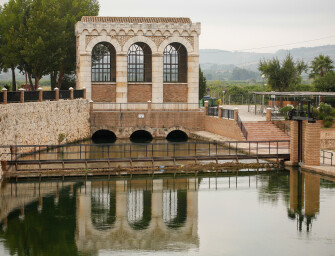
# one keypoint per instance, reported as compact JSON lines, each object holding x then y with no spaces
{"x":304,"y":198}
{"x":151,"y":215}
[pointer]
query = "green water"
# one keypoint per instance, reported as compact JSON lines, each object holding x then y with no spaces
{"x":269,"y":213}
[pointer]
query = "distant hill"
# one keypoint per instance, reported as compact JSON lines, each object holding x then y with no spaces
{"x":249,"y":60}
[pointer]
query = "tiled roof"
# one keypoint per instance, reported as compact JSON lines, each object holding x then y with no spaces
{"x":135,"y":19}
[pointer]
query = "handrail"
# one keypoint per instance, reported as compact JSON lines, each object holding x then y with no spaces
{"x":323,"y":156}
{"x":242,"y":127}
{"x":127,"y":150}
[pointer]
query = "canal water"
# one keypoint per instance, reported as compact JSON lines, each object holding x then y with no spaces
{"x":245,"y":213}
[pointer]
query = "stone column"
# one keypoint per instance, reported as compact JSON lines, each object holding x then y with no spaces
{"x":84,"y":74}
{"x":268,"y":114}
{"x":193,"y":79}
{"x":149,"y":106}
{"x":56,"y":94}
{"x":71,"y":93}
{"x":311,"y":143}
{"x":220,"y":112}
{"x":157,"y":78}
{"x":84,"y":93}
{"x":121,"y":78}
{"x":91,"y":106}
{"x":236,"y":114}
{"x":206,"y":107}
{"x":21,"y":95}
{"x":40,"y":94}
{"x":4,"y":90}
{"x":294,"y":142}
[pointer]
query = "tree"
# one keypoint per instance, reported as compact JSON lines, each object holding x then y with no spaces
{"x":320,"y":66}
{"x":38,"y":36}
{"x":202,"y":84}
{"x":13,"y":32}
{"x":282,"y":75}
{"x":325,"y":83}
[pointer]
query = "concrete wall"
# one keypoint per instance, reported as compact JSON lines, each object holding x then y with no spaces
{"x":223,"y":127}
{"x":44,"y":122}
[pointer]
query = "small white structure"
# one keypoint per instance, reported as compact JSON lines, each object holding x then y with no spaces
{"x":128,"y":59}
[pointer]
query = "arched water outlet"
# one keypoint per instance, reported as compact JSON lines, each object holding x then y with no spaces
{"x":141,"y":136}
{"x":177,"y":136}
{"x":104,"y":136}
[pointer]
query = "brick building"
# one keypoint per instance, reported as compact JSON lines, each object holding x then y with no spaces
{"x":131,"y":60}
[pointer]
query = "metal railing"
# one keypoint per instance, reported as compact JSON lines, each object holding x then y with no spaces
{"x":212,"y":111}
{"x":64,"y":95}
{"x":242,"y":127}
{"x":33,"y":96}
{"x":285,"y":127}
{"x":49,"y":95}
{"x":119,"y":152}
{"x":138,"y":106}
{"x":77,"y":94}
{"x":30,"y":96}
{"x":13,"y":97}
{"x":327,"y":157}
{"x":227,"y":113}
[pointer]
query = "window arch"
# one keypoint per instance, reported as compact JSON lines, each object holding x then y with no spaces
{"x":103,"y":63}
{"x":175,"y":63}
{"x":139,"y":63}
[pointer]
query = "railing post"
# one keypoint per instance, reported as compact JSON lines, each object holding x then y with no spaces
{"x":206,"y":107}
{"x":268,"y":114}
{"x":56,"y":94}
{"x":236,"y":114}
{"x":149,"y":106}
{"x":71,"y":93}
{"x":40,"y":94}
{"x":21,"y":95}
{"x":91,"y":106}
{"x":84,"y":93}
{"x":4,"y":90}
{"x":220,"y":112}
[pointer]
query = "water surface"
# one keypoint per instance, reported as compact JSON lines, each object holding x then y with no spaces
{"x":269,"y":213}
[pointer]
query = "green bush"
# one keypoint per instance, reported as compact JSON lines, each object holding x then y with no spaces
{"x":284,"y":111}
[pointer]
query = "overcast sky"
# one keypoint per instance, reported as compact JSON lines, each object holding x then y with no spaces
{"x":242,"y":24}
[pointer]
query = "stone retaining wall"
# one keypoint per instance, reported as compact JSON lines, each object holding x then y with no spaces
{"x":328,"y":138}
{"x":48,"y":123}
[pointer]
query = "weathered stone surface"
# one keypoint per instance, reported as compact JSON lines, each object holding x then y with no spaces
{"x":44,"y":123}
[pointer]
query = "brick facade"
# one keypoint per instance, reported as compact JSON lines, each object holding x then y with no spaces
{"x":104,"y":92}
{"x":139,"y":92}
{"x":175,"y":92}
{"x":223,"y":127}
{"x":310,"y":143}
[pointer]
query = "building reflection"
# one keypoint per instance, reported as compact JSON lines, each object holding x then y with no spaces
{"x":137,"y":214}
{"x":304,"y":198}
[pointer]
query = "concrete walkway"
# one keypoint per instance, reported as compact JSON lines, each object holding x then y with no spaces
{"x":244,"y":114}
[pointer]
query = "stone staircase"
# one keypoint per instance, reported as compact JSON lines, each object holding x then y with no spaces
{"x":264,"y":131}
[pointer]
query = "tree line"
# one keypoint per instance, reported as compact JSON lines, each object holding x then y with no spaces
{"x":37,"y":37}
{"x":285,"y":75}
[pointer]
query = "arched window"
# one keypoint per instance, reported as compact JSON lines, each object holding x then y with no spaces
{"x":139,"y":63}
{"x":103,"y":63}
{"x":175,"y":63}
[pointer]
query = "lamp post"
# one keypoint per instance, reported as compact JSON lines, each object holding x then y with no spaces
{"x":263,"y":85}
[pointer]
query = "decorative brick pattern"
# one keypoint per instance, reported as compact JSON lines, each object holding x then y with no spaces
{"x":175,"y":92}
{"x":104,"y":92}
{"x":294,"y":142}
{"x":139,"y":92}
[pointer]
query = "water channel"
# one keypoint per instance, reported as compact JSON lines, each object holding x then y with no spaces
{"x":267,"y":212}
